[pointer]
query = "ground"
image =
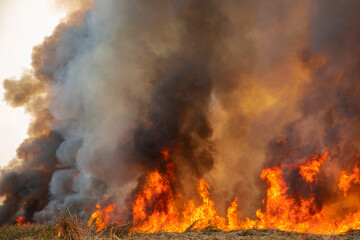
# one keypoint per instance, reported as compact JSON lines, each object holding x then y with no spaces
{"x":50,"y":232}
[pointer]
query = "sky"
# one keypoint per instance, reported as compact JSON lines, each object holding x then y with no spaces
{"x":23,"y":25}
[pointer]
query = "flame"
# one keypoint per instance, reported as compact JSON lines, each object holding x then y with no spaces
{"x":169,"y":218}
{"x":346,"y":180}
{"x":310,"y":169}
{"x":286,"y":213}
{"x":20,"y":221}
{"x":101,"y":217}
{"x":280,"y":210}
{"x":158,"y":195}
{"x":156,"y":207}
{"x":301,"y":215}
{"x":170,"y":213}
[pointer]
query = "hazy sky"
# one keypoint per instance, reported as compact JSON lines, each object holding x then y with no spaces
{"x":23,"y":24}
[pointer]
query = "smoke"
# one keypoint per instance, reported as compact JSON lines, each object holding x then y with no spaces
{"x":215,"y":83}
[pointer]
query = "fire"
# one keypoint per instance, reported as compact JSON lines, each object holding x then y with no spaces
{"x":310,"y":169}
{"x":283,"y":212}
{"x":20,"y":221}
{"x":280,"y":210}
{"x":101,"y":217}
{"x":290,"y":214}
{"x":158,"y":195}
{"x":346,"y":180}
{"x":156,"y":207}
{"x":169,"y":212}
{"x":168,"y":217}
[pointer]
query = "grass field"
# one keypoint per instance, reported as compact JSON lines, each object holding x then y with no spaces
{"x":51,"y":232}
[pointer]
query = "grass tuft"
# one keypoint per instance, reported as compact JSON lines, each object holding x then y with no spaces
{"x":69,"y":227}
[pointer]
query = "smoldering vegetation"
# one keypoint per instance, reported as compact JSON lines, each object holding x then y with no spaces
{"x":216,"y":83}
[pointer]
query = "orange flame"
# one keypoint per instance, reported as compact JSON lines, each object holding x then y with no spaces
{"x":20,"y":221}
{"x":101,"y":217}
{"x":157,"y":208}
{"x":286,"y":213}
{"x":174,"y":220}
{"x":301,"y":215}
{"x":170,"y":213}
{"x":310,"y":169}
{"x":346,"y":180}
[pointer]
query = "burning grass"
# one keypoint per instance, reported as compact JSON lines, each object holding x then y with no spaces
{"x":72,"y":229}
{"x":201,"y":221}
{"x":156,"y":205}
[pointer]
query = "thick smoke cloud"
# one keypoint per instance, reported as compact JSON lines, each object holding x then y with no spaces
{"x":215,"y":83}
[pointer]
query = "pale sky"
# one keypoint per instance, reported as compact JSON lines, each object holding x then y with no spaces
{"x":23,"y":24}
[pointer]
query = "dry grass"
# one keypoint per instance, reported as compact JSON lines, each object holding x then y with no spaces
{"x":73,"y":229}
{"x":28,"y":232}
{"x":120,"y":232}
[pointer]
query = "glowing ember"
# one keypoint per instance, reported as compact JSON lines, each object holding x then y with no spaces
{"x":165,"y":154}
{"x":20,"y":221}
